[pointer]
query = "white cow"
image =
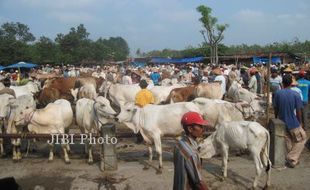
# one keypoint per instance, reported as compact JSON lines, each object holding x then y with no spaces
{"x":29,"y":88}
{"x":216,"y":111}
{"x":15,"y":107}
{"x":1,"y":86}
{"x":53,"y":119}
{"x":154,"y":121}
{"x":255,"y":103}
{"x":85,"y":91}
{"x":240,"y":135}
{"x":119,"y":94}
{"x":5,"y":100}
{"x":91,"y":115}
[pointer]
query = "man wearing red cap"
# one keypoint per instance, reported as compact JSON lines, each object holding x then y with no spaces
{"x":187,"y":163}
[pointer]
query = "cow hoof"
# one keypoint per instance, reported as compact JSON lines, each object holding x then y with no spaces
{"x":68,"y":162}
{"x":49,"y":160}
{"x":90,"y":162}
{"x":159,"y":171}
{"x":146,"y":167}
{"x":15,"y":160}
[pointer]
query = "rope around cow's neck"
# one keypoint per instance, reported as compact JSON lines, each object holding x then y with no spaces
{"x":28,"y":120}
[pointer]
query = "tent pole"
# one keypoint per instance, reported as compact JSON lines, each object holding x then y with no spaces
{"x":268,"y":89}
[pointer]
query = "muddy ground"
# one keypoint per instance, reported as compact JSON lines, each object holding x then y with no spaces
{"x":35,"y":172}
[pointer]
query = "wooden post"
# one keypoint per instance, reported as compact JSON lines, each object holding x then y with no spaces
{"x":277,"y":143}
{"x":108,"y":149}
{"x":268,"y":89}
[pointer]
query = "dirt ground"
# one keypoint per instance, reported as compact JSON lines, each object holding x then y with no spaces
{"x":35,"y":172}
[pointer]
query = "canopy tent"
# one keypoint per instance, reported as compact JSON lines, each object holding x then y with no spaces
{"x":21,"y":65}
{"x":263,"y":60}
{"x":138,"y":64}
{"x":159,"y":60}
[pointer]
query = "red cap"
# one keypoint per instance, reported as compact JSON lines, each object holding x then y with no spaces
{"x":302,"y":73}
{"x":191,"y":118}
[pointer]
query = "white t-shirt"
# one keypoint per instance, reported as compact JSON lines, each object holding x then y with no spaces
{"x":223,"y":82}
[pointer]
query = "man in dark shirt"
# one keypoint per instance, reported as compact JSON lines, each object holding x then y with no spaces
{"x":286,"y":103}
{"x":187,"y":163}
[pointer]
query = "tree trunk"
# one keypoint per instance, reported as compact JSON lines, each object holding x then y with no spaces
{"x":216,"y":55}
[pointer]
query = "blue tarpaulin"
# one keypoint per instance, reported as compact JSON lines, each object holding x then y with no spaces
{"x":177,"y":60}
{"x":21,"y":65}
{"x":1,"y":68}
{"x":263,"y":60}
{"x":138,"y":64}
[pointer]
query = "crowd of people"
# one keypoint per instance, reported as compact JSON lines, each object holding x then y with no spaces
{"x":289,"y":87}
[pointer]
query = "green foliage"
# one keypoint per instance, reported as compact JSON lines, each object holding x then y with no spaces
{"x":212,"y":32}
{"x":75,"y":47}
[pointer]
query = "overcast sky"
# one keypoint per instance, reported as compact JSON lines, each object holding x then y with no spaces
{"x":158,"y":24}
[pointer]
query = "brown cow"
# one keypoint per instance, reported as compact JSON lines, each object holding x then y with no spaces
{"x":184,"y":94}
{"x":58,"y":88}
{"x":55,"y":89}
{"x":189,"y":93}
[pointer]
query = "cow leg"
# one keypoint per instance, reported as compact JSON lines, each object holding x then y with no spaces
{"x":18,"y":153}
{"x":90,"y":154}
{"x":14,"y":153}
{"x":225,"y":159}
{"x":258,"y":166}
{"x":68,"y":147}
{"x":146,"y":166}
{"x":66,"y":156}
{"x":1,"y":147}
{"x":51,"y":154}
{"x":158,"y":148}
{"x":150,"y":153}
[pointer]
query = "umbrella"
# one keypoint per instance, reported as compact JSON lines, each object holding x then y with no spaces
{"x":22,"y":65}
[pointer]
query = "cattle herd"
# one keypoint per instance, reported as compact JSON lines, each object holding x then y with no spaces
{"x":49,"y":105}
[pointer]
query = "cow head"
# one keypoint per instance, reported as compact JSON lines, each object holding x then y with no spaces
{"x":259,"y":107}
{"x":22,"y":115}
{"x":6,"y":101}
{"x":74,"y":93}
{"x":103,"y":107}
{"x":33,"y":87}
{"x":126,"y":115}
{"x":104,"y":88}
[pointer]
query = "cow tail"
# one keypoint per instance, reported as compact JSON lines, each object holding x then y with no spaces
{"x":266,"y":153}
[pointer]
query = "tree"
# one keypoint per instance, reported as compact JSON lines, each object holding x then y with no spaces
{"x":118,"y":48}
{"x":45,"y":50}
{"x":72,"y":44}
{"x":212,"y":32}
{"x":14,"y":39}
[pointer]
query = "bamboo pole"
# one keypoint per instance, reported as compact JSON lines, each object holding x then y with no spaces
{"x":268,"y":89}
